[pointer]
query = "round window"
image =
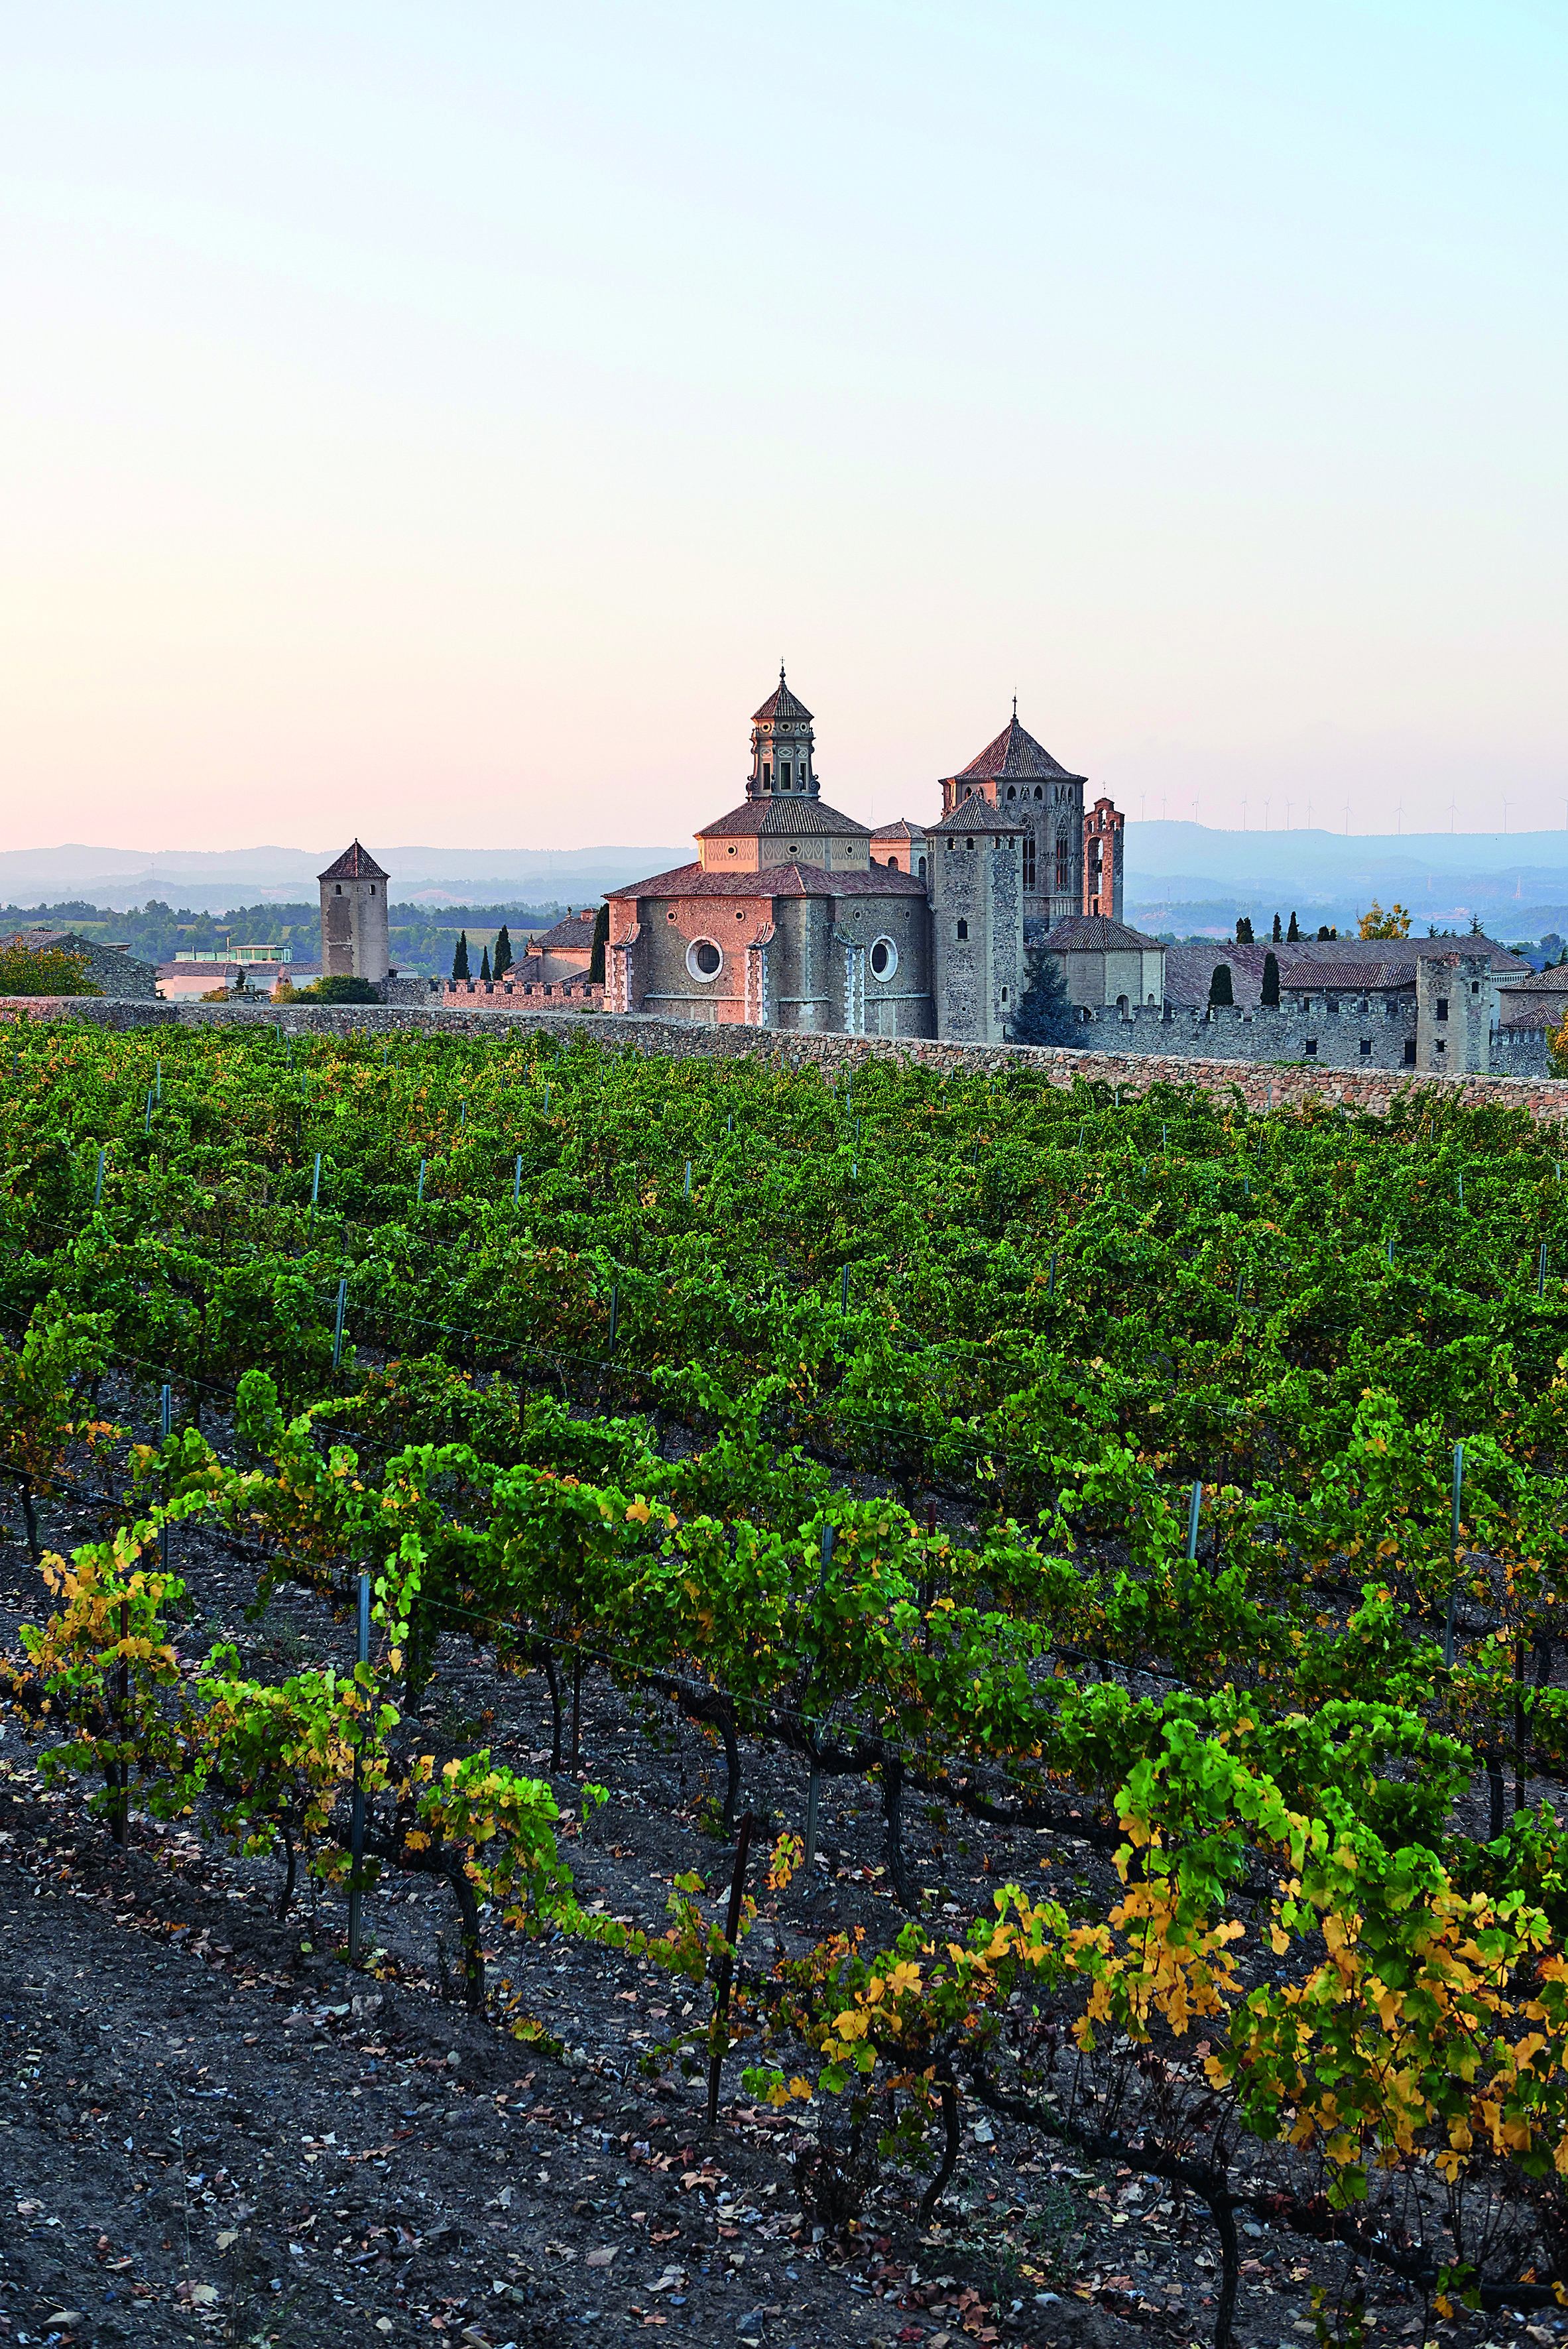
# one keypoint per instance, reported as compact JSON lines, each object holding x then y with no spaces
{"x":885,"y":958}
{"x":704,"y":959}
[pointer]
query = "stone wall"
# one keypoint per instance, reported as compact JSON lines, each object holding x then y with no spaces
{"x":1334,"y":1036}
{"x":1132,"y":1073}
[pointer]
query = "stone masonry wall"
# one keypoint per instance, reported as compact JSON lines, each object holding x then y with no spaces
{"x":1372,"y":1090}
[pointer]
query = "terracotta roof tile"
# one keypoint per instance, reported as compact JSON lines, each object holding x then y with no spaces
{"x":775,"y":881}
{"x":1014,"y":754}
{"x":791,"y":813}
{"x":355,"y":864}
{"x":976,"y":814}
{"x":1097,"y":934}
{"x":576,"y":930}
{"x":781,"y":704}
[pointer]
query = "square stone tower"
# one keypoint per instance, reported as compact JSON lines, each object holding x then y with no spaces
{"x":976,"y":853}
{"x":1453,"y":1014}
{"x":356,"y":942}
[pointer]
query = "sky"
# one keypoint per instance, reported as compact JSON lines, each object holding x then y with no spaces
{"x":437,"y":423}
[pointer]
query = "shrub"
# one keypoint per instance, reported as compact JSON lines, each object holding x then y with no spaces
{"x":50,"y":971}
{"x":342,"y":990}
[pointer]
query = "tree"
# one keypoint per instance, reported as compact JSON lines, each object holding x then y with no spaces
{"x":1324,"y":932}
{"x":343,"y":990}
{"x":1278,"y":933}
{"x":1244,"y":930}
{"x":1045,"y":1014}
{"x":1219,"y":985}
{"x":1376,"y":924}
{"x":50,"y":972}
{"x":600,"y":940}
{"x":503,"y":962}
{"x":1271,"y":977}
{"x":484,"y":967}
{"x":1293,"y":935}
{"x":460,"y":957}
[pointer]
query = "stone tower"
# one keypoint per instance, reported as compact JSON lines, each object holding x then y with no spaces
{"x":781,"y":744}
{"x":1453,"y":1014}
{"x":355,"y":939}
{"x":1020,"y":778}
{"x":978,"y":899}
{"x":1103,"y":831}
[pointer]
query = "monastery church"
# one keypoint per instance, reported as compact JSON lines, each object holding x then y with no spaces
{"x":794,"y":915}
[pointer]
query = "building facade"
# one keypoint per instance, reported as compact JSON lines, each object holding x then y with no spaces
{"x":356,"y":941}
{"x":796,"y":915}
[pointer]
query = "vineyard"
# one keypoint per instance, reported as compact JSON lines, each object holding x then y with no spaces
{"x":1101,"y":1571}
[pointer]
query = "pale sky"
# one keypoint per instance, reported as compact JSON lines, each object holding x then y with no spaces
{"x":435,"y":422}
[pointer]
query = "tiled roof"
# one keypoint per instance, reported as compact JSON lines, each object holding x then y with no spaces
{"x":1015,"y":754}
{"x":1554,"y":981}
{"x":976,"y":814}
{"x":900,"y":830}
{"x":355,"y":864}
{"x":205,"y":969}
{"x":781,"y":704}
{"x":1299,"y":977}
{"x":576,"y":930}
{"x":775,"y":881}
{"x":1095,"y":933}
{"x":791,"y":813}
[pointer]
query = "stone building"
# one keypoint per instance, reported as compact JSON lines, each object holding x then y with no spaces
{"x":109,"y":968}
{"x":1106,"y":965}
{"x":796,"y":915}
{"x":1022,"y":781}
{"x":783,"y":920}
{"x":1102,"y":830}
{"x":564,"y":952}
{"x":356,"y":942}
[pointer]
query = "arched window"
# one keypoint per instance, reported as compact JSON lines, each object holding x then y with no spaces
{"x":922,"y":868}
{"x":963,"y":930}
{"x":1063,"y":859}
{"x":969,"y":843}
{"x":1012,"y":790}
{"x":1038,"y":793}
{"x":1029,"y":860}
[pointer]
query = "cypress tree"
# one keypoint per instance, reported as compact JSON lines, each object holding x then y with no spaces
{"x":460,"y":957}
{"x":1293,"y":934}
{"x":600,"y":940}
{"x":1278,"y":933}
{"x":484,"y":966}
{"x":1045,"y":1013}
{"x":503,"y":963}
{"x":1271,"y":976}
{"x":1244,"y":930}
{"x":1220,"y":991}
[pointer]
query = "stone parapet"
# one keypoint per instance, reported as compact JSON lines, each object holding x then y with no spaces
{"x":1258,"y":1087}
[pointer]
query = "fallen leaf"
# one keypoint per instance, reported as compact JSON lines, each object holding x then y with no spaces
{"x":599,"y":2259}
{"x":229,"y":2235}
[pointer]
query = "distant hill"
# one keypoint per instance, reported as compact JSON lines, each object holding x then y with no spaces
{"x":212,"y":881}
{"x":1188,"y":877}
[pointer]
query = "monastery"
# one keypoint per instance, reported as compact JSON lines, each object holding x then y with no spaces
{"x":794,"y":915}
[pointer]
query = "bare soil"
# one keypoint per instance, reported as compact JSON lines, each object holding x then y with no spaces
{"x":210,"y":2129}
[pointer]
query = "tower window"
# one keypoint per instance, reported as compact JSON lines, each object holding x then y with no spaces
{"x":1062,"y":859}
{"x":784,"y":774}
{"x":767,"y":774}
{"x":1012,"y":790}
{"x":1038,"y":793}
{"x":373,"y":888}
{"x":1442,"y":1007}
{"x":1029,"y":860}
{"x":922,"y":868}
{"x":338,"y":888}
{"x":963,"y":930}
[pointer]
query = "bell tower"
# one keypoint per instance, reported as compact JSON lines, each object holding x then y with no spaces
{"x":781,"y":747}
